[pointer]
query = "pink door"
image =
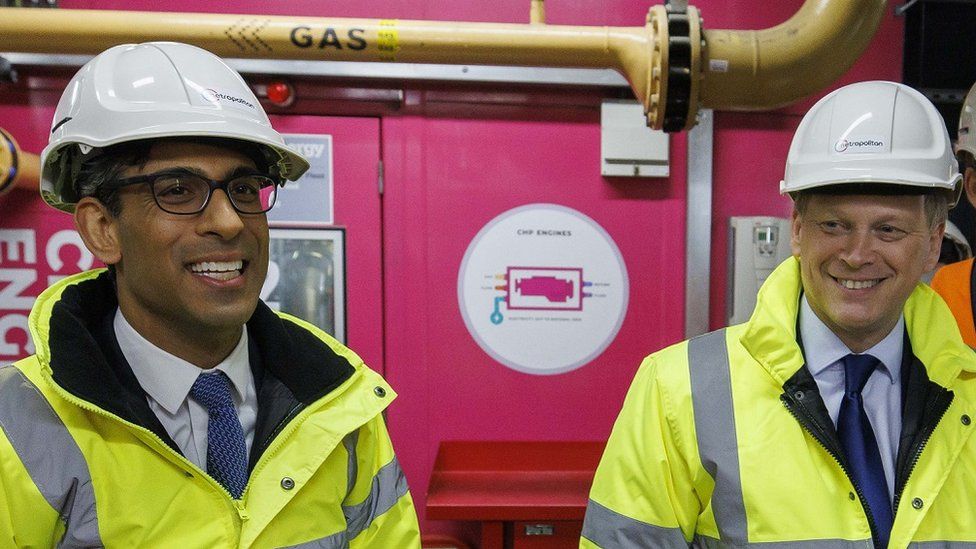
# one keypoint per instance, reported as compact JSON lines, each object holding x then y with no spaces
{"x":446,"y":178}
{"x":356,"y":160}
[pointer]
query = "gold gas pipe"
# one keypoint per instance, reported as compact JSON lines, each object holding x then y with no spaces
{"x":18,"y":169}
{"x":765,"y":69}
{"x":672,"y":65}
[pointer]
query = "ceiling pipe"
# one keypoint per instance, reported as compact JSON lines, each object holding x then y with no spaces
{"x":672,"y":65}
{"x":774,"y":67}
{"x":18,"y":169}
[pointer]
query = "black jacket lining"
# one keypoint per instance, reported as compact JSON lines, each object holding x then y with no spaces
{"x":917,"y":395}
{"x":292,"y":367}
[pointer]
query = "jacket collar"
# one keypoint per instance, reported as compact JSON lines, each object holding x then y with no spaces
{"x":70,"y":322}
{"x":770,"y":334}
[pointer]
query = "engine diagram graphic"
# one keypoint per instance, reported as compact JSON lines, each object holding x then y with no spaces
{"x":545,"y":289}
{"x":540,"y":289}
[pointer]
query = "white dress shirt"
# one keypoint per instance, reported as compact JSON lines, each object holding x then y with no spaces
{"x":824,"y":353}
{"x":167,"y":380}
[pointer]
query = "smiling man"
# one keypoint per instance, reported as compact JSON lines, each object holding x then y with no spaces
{"x":166,"y":405}
{"x":840,"y":415}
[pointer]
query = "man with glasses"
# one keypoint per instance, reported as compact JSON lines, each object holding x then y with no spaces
{"x":184,"y":192}
{"x":166,"y":405}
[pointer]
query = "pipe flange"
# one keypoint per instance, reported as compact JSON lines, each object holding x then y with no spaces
{"x":683,"y":59}
{"x":656,"y":85}
{"x":8,"y":161}
{"x":698,"y":52}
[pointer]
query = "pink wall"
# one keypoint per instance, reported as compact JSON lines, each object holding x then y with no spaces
{"x":448,"y":173}
{"x":443,"y":186}
{"x":26,"y":212}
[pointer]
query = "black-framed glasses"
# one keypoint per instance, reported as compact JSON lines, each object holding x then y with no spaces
{"x":183,"y":192}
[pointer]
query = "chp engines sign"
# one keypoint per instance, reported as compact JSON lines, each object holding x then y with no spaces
{"x":543,"y":289}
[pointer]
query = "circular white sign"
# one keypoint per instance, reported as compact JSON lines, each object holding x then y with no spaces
{"x":543,"y":289}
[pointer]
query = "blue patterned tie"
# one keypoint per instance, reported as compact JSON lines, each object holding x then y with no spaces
{"x":226,"y":448}
{"x":860,"y":446}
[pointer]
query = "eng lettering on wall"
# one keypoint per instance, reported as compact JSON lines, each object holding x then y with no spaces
{"x":30,"y":261}
{"x":308,"y":201}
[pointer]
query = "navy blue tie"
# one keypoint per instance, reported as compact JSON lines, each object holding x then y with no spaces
{"x":226,"y":448}
{"x":860,"y":445}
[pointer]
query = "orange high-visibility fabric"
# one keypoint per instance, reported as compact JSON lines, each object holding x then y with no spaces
{"x":952,"y":282}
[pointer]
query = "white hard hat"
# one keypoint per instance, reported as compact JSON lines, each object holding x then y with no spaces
{"x":966,"y":137}
{"x":872,"y":132}
{"x":958,"y":240}
{"x":154,"y":90}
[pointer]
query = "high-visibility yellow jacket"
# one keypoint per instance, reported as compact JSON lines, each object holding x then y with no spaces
{"x":954,"y":282}
{"x":724,"y":441}
{"x":84,"y":462}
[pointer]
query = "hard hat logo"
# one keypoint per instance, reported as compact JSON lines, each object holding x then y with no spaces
{"x":215,"y":96}
{"x":868,"y":145}
{"x":872,"y":133}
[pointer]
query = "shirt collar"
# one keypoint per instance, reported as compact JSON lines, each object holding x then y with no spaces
{"x":167,"y":378}
{"x":822,"y":348}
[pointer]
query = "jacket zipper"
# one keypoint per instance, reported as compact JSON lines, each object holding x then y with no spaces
{"x":927,"y":431}
{"x":284,"y":429}
{"x":286,"y":425}
{"x":295,"y":410}
{"x":794,"y":407}
{"x":85,"y":405}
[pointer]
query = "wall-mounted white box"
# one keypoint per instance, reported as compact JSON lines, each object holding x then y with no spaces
{"x":628,"y":148}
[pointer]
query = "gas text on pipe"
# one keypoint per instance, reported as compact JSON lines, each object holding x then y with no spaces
{"x":305,"y":37}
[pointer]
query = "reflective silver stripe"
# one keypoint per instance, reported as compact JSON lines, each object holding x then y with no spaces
{"x":703,"y":542}
{"x":352,"y":468}
{"x":389,"y":485}
{"x":50,"y":455}
{"x":942,"y":545}
{"x":609,"y":529}
{"x":711,"y":394}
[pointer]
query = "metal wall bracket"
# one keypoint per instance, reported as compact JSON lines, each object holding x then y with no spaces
{"x":552,"y":76}
{"x":698,"y":243}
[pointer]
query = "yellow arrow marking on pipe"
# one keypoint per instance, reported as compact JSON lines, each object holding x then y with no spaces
{"x":388,"y":39}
